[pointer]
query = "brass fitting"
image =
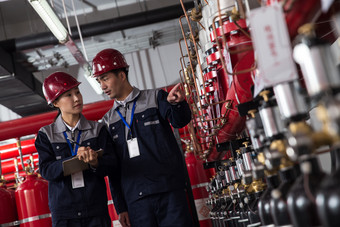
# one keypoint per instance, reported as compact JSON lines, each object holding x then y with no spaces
{"x":2,"y":181}
{"x":186,"y":89}
{"x":264,"y":94}
{"x":226,"y":191}
{"x":258,"y":185}
{"x":245,"y":144}
{"x":252,"y":113}
{"x":278,"y":145}
{"x":196,"y":14}
{"x":307,"y":29}
{"x":281,"y":147}
{"x":300,"y":127}
{"x":29,"y":170}
{"x":235,"y":15}
{"x":249,"y":188}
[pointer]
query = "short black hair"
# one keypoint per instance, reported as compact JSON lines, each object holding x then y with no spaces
{"x":125,"y":70}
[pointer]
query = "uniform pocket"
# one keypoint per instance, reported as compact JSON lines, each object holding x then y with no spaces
{"x":61,"y":150}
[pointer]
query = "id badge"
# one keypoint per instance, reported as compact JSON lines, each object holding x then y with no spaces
{"x":77,"y":180}
{"x":133,"y":147}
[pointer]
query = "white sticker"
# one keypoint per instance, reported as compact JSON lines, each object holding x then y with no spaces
{"x":77,"y":180}
{"x":272,"y":45}
{"x":116,"y":223}
{"x":326,"y":4}
{"x":227,"y":58}
{"x":202,"y":209}
{"x":133,"y":147}
{"x":258,"y":84}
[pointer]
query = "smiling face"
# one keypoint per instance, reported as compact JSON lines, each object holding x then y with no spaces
{"x":70,"y":102}
{"x":113,"y":84}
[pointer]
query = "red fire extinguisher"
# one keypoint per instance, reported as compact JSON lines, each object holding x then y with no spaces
{"x":32,"y":201}
{"x":112,"y":211}
{"x":7,"y":207}
{"x":199,"y":181}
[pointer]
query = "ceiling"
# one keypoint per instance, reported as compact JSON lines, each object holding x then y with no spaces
{"x":28,"y":47}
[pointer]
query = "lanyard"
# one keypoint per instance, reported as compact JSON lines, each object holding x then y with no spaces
{"x":123,"y":119}
{"x":74,"y":152}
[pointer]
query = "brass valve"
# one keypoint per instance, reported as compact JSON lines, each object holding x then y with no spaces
{"x":264,"y":94}
{"x":258,"y":185}
{"x":252,"y":113}
{"x":307,"y":29}
{"x":246,"y":143}
{"x":186,"y":89}
{"x":2,"y":180}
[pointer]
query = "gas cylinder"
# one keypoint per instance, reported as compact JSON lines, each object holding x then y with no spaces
{"x":273,"y":182}
{"x":32,"y":202}
{"x":278,"y":202}
{"x":328,"y":197}
{"x":199,"y":181}
{"x":7,"y":208}
{"x":112,"y":211}
{"x":12,"y":194}
{"x":301,"y":197}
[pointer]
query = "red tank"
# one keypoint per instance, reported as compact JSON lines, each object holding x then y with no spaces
{"x":7,"y":207}
{"x":32,"y":202}
{"x":199,"y":180}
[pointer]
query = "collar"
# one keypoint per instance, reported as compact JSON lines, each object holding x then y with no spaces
{"x":60,"y":126}
{"x":72,"y":128}
{"x":131,"y":97}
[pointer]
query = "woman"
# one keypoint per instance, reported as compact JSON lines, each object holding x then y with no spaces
{"x":78,"y":199}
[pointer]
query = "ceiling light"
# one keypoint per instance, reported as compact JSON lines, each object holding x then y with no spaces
{"x":50,"y":19}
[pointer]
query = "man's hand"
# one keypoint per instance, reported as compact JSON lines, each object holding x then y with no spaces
{"x":176,"y":95}
{"x":124,"y":219}
{"x":87,"y":155}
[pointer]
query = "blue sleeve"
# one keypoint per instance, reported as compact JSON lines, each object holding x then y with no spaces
{"x":179,"y":115}
{"x":108,"y":162}
{"x":50,"y":168}
{"x":117,"y":192}
{"x":108,"y":165}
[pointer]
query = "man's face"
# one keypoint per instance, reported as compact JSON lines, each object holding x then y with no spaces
{"x":111,"y":84}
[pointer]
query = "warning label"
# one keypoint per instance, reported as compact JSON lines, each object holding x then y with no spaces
{"x":202,"y":209}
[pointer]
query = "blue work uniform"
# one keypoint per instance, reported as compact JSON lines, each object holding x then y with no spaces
{"x":84,"y":206}
{"x":153,"y":182}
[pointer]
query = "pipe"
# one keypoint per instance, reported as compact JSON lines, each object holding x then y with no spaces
{"x":8,"y":167}
{"x":31,"y":125}
{"x":97,"y":28}
{"x":11,"y":150}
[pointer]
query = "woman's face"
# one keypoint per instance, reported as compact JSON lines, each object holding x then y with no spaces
{"x":70,"y":102}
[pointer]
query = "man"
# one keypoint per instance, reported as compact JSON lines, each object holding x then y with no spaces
{"x":152,"y":167}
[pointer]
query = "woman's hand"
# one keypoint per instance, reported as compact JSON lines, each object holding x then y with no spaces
{"x":87,"y":155}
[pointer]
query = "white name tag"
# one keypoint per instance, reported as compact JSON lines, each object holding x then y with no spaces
{"x":78,"y":180}
{"x":133,"y":147}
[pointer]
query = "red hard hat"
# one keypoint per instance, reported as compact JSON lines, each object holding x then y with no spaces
{"x":56,"y":84}
{"x":107,"y":60}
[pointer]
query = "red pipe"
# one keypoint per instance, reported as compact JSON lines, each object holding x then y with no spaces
{"x":11,"y":177}
{"x":8,"y":165}
{"x":32,"y":124}
{"x":11,"y":150}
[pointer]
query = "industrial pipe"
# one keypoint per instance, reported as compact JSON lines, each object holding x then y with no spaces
{"x":32,"y":124}
{"x":97,"y":28}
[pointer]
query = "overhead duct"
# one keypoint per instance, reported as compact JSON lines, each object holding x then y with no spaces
{"x":19,"y":90}
{"x":97,"y":28}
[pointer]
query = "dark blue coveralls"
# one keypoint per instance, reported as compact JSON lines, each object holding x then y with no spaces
{"x":153,"y":183}
{"x":85,"y":206}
